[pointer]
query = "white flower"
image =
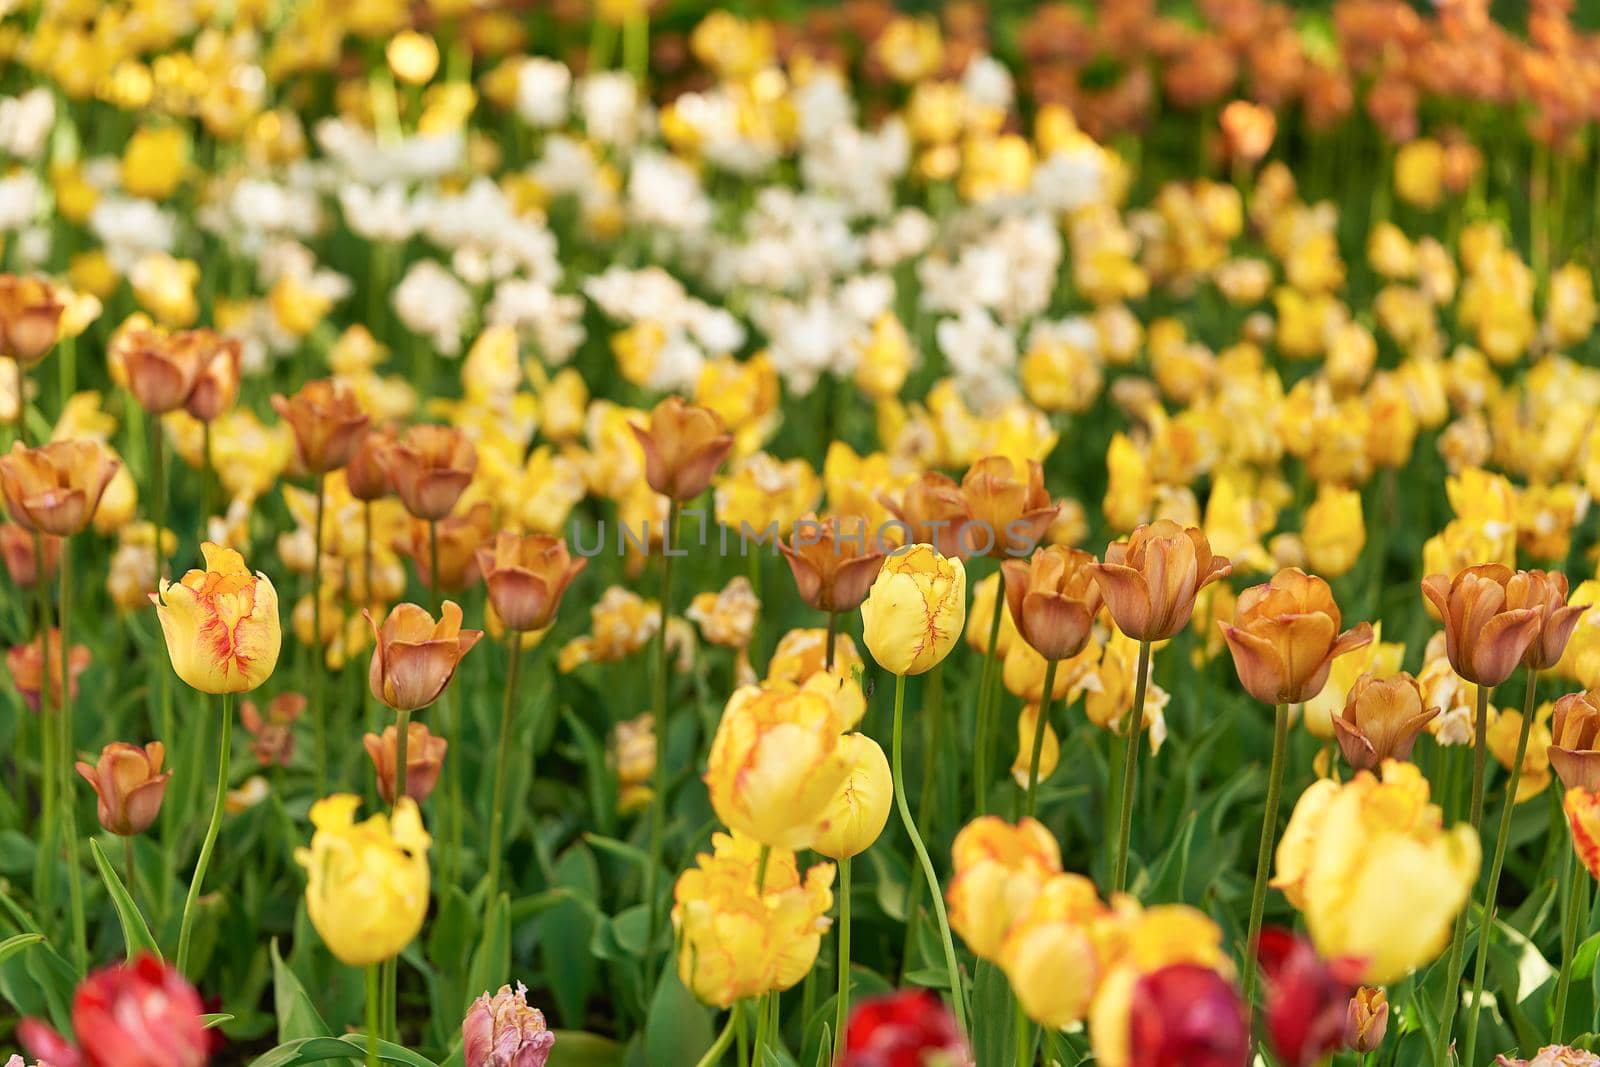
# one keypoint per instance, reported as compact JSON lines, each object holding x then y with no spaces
{"x":381,"y":213}
{"x":664,"y":191}
{"x":987,"y":83}
{"x":362,"y":157}
{"x":128,"y":228}
{"x":431,"y":301}
{"x":823,"y":106}
{"x":554,"y":321}
{"x":567,"y":166}
{"x":543,"y":86}
{"x":982,"y":354}
{"x":19,"y":200}
{"x":609,"y":103}
{"x":907,"y":234}
{"x":25,"y":123}
{"x":1073,"y":177}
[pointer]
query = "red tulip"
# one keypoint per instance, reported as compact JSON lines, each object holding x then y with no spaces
{"x":1187,"y":1014}
{"x":1308,"y":999}
{"x":139,"y":1014}
{"x":906,"y":1029}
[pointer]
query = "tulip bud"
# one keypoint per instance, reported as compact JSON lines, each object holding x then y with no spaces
{"x":429,"y":468}
{"x":217,"y":386}
{"x":1011,"y":509}
{"x":33,"y":676}
{"x":1053,"y":600}
{"x":327,"y":421}
{"x":683,"y":447}
{"x":933,"y":511}
{"x":909,"y":1027}
{"x":1485,"y":636}
{"x":1285,"y":636}
{"x":527,"y":575}
{"x":221,"y":624}
{"x":55,"y":488}
{"x":914,"y":612}
{"x":1381,"y":720}
{"x":159,"y":372}
{"x":834,"y":561}
{"x":1546,"y":593}
{"x":22,"y":565}
{"x":1187,"y":1014}
{"x":367,"y":883}
{"x":30,"y":318}
{"x":1150,"y":580}
{"x":1575,"y":740}
{"x":1367,"y":1020}
{"x":1247,"y":130}
{"x":366,"y":474}
{"x":424,"y":760}
{"x":413,"y":657}
{"x":130,"y":785}
{"x":1307,"y":999}
{"x":859,"y":810}
{"x":503,"y":1031}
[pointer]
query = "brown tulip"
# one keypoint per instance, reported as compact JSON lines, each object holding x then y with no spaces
{"x":1150,"y":580}
{"x":30,"y":318}
{"x":1381,"y":720}
{"x":414,"y":657}
{"x":365,"y":473}
{"x":459,"y":538}
{"x":31,"y":675}
{"x":22,"y":564}
{"x":1285,"y":637}
{"x":1053,"y":600}
{"x":1575,"y":741}
{"x":834,"y":561}
{"x":1546,"y":593}
{"x":273,"y":733}
{"x":55,"y":488}
{"x":934,"y":512}
{"x":424,"y":760}
{"x":327,"y":421}
{"x":130,"y":784}
{"x":1485,"y":636}
{"x":160,"y":372}
{"x":683,"y":447}
{"x":216,"y":389}
{"x":1011,"y":509}
{"x":527,"y":575}
{"x":429,"y":468}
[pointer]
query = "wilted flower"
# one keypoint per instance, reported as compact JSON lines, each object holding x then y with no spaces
{"x":914,"y":612}
{"x":424,"y":760}
{"x":503,"y":1031}
{"x":130,"y":785}
{"x":221,"y":624}
{"x":1285,"y":636}
{"x":1150,"y":580}
{"x":367,"y":883}
{"x":414,"y":657}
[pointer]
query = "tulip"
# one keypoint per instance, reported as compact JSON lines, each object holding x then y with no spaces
{"x":1368,"y":1020}
{"x":933,"y":510}
{"x":910,"y":1027}
{"x":366,"y":883}
{"x":1053,"y":954}
{"x":998,"y":870}
{"x":327,"y":421}
{"x":1011,"y":509}
{"x":1308,"y":1000}
{"x":834,"y":561}
{"x":1187,"y":1014}
{"x":130,"y":786}
{"x":859,"y":809}
{"x":55,"y":488}
{"x":527,"y":575}
{"x":414,"y":657}
{"x":33,"y":677}
{"x":914,"y":612}
{"x":1150,"y":580}
{"x":1053,"y":599}
{"x":273,"y":732}
{"x":21,"y":562}
{"x":221,"y":624}
{"x":1575,"y":740}
{"x":137,"y":1014}
{"x":1381,"y":720}
{"x":366,"y":473}
{"x":216,"y":388}
{"x":445,"y":552}
{"x":160,"y":371}
{"x":1485,"y":635}
{"x":1545,"y":592}
{"x":683,"y":445}
{"x":30,"y":319}
{"x":503,"y":1031}
{"x":429,"y":468}
{"x":424,"y":761}
{"x":1285,"y":636}
{"x":1553,"y":1056}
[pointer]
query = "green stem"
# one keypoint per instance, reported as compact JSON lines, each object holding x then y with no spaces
{"x":841,"y":1015}
{"x":1130,"y":770}
{"x":832,"y":635}
{"x":205,"y":474}
{"x":658,"y":707}
{"x":22,"y":403}
{"x":719,"y":1048}
{"x":1458,"y":940}
{"x":502,"y":759}
{"x":1040,"y":724}
{"x":1024,"y":1038}
{"x":1480,"y":756}
{"x":980,"y":747}
{"x":69,"y":810}
{"x":319,"y":711}
{"x":186,"y":929}
{"x":759,"y":1047}
{"x":1269,"y":831}
{"x":373,"y":1000}
{"x":1576,"y":878}
{"x":402,"y":745}
{"x":44,"y":881}
{"x":958,"y":998}
{"x":170,"y":815}
{"x":1491,"y":891}
{"x":130,"y":861}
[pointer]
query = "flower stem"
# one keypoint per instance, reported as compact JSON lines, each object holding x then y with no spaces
{"x":658,"y":707}
{"x":391,"y":968}
{"x":841,"y":1015}
{"x":502,"y":758}
{"x":158,"y":515}
{"x":719,"y":1047}
{"x":1269,"y":831}
{"x":319,"y":711}
{"x":1040,"y":724}
{"x":1480,"y":756}
{"x":372,"y":1015}
{"x":1458,"y":940}
{"x":1024,"y":1038}
{"x":833,"y":633}
{"x":1491,"y":891}
{"x":22,"y":403}
{"x":1130,"y":770}
{"x":186,"y":929}
{"x":69,"y":810}
{"x":958,"y":998}
{"x":44,"y":882}
{"x":980,"y":747}
{"x":1575,"y":877}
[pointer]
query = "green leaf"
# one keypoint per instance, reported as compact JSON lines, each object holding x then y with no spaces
{"x":212,"y":1020}
{"x":135,"y":931}
{"x":565,"y":932}
{"x":298,"y":1018}
{"x":993,"y":1015}
{"x":578,"y":1048}
{"x":491,"y":963}
{"x":351,"y":1047}
{"x":678,"y":1028}
{"x":13,"y":945}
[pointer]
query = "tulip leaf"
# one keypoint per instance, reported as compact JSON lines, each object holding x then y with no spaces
{"x":135,"y":931}
{"x":344,"y":1049}
{"x":13,"y":945}
{"x":491,"y":963}
{"x":993,"y":1014}
{"x":678,"y":1028}
{"x":212,"y":1020}
{"x":578,"y":1048}
{"x":297,"y":1014}
{"x":565,"y":932}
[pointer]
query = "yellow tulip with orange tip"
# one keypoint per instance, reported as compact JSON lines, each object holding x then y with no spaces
{"x":999,"y":868}
{"x":221,"y":624}
{"x":367,"y":882}
{"x":1056,"y":953}
{"x":859,"y":810}
{"x":914,"y":612}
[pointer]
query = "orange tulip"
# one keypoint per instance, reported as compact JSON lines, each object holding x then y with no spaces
{"x":1285,"y":636}
{"x":217,"y":386}
{"x":130,"y":784}
{"x":1485,"y":635}
{"x":160,"y":372}
{"x":527,"y":575}
{"x":833,"y":560}
{"x":30,"y":318}
{"x":1575,"y":740}
{"x":414,"y":657}
{"x":22,"y":564}
{"x":429,"y":468}
{"x":1381,"y":720}
{"x":1150,"y":580}
{"x":55,"y":488}
{"x":1011,"y":509}
{"x":1053,"y":600}
{"x":365,"y":473}
{"x":683,"y":447}
{"x":934,"y":511}
{"x":424,"y":760}
{"x":273,"y":733}
{"x":459,"y":538}
{"x":31,"y":674}
{"x":1546,"y":593}
{"x":327,"y":421}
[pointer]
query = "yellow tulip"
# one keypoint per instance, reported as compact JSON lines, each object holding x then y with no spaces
{"x":1334,"y":533}
{"x":914,"y":613}
{"x":859,"y":811}
{"x":1052,"y":956}
{"x":154,"y":161}
{"x":999,"y":869}
{"x":221,"y":624}
{"x":1374,"y":871}
{"x":367,"y":883}
{"x":776,"y":764}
